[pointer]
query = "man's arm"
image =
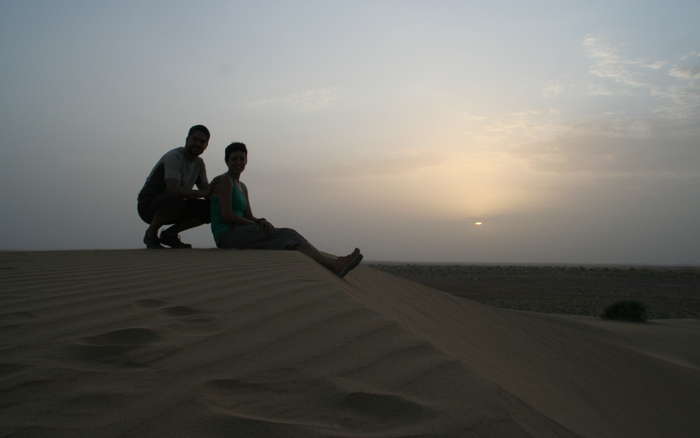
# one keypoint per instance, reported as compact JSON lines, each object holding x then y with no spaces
{"x":172,"y":176}
{"x":173,"y":187}
{"x":203,"y":183}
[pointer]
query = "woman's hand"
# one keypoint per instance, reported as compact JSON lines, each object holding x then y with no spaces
{"x":207,"y":191}
{"x":195,"y":194}
{"x":267,"y":227}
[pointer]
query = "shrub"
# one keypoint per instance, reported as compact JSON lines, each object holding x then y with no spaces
{"x":626,"y":311}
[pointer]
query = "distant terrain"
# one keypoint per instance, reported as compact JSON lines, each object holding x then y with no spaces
{"x":668,"y":292}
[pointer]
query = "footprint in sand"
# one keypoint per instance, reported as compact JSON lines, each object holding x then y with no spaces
{"x":16,"y":392}
{"x":11,"y":368}
{"x":92,"y":404}
{"x":198,"y":319}
{"x":126,"y":347}
{"x":180,"y":311}
{"x":182,"y":319}
{"x":284,"y":397}
{"x":15,"y":319}
{"x":151,"y":303}
{"x":126,"y":337}
{"x":381,"y":406}
{"x":183,"y":313}
{"x":17,"y":315}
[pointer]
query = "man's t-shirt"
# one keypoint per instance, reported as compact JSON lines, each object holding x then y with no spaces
{"x":173,"y":165}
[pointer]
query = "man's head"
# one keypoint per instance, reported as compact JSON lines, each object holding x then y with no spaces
{"x":197,"y":140}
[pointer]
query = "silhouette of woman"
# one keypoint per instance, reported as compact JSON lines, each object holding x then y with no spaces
{"x":234,"y":226}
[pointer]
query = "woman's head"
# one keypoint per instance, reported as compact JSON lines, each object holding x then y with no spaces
{"x":236,"y":156}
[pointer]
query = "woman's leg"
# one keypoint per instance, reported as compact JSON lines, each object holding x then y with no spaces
{"x":252,"y":237}
{"x":241,"y":237}
{"x":337,"y":265}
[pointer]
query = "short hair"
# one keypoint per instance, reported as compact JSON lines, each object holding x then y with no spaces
{"x":233,"y":147}
{"x":199,"y":128}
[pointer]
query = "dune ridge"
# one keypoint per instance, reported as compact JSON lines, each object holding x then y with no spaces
{"x":211,"y":343}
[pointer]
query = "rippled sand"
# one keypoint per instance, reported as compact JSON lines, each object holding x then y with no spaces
{"x":210,"y":343}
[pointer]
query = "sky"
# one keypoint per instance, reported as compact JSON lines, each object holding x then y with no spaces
{"x":569,"y":130}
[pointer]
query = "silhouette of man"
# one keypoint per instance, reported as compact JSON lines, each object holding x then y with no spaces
{"x":167,"y":196}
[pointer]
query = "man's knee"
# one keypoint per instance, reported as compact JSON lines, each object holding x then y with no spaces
{"x":165,"y":208}
{"x":188,"y":211}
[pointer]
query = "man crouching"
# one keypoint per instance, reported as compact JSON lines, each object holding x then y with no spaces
{"x":167,"y":196}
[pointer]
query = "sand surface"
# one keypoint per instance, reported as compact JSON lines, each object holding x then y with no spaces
{"x":210,"y":343}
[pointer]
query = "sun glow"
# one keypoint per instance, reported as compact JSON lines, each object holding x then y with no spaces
{"x":476,"y":185}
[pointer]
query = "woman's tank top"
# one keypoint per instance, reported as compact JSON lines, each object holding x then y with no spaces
{"x":239,"y":205}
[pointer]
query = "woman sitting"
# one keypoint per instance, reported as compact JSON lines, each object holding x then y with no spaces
{"x":234,"y":226}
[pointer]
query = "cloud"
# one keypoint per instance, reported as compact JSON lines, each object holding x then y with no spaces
{"x":656,"y":65}
{"x":645,"y":126}
{"x":680,"y":103}
{"x":685,"y":72}
{"x":607,"y":143}
{"x":311,"y":100}
{"x":623,"y":76}
{"x":599,"y":90}
{"x":406,"y":161}
{"x":608,"y":64}
{"x":553,"y":89}
{"x":516,"y":128}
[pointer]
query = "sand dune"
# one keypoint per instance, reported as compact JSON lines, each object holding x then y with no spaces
{"x":209,"y":343}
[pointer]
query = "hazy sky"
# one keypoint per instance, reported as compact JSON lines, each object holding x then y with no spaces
{"x":569,"y":129}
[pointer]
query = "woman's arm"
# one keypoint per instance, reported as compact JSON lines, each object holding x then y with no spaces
{"x":222,"y":188}
{"x":267,"y":226}
{"x":249,"y":211}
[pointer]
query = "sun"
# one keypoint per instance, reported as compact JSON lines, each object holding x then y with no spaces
{"x":478,"y":224}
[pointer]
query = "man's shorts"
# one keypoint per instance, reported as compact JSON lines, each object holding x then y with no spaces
{"x":190,"y":208}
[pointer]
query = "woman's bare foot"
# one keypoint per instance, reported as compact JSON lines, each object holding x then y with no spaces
{"x":347,"y":263}
{"x":350,"y":256}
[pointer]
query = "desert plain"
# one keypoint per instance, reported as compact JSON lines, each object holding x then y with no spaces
{"x":665,"y":291}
